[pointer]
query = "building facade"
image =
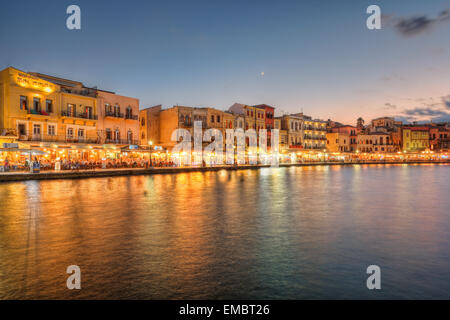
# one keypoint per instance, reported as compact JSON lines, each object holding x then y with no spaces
{"x":47,"y":109}
{"x":118,"y":119}
{"x":416,"y":138}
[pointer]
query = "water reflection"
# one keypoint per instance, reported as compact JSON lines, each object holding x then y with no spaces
{"x":299,"y":232}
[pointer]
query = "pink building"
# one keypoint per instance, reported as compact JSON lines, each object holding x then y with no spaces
{"x":118,"y":119}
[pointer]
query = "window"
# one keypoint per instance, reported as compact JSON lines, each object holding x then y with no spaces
{"x":116,"y":110}
{"x":129,"y":113}
{"x":130,"y":136}
{"x":70,"y":110}
{"x":22,"y":129}
{"x":23,"y":103}
{"x":37,"y":129}
{"x":108,"y":108}
{"x":80,"y":133}
{"x":117,"y":135}
{"x":212,"y":118}
{"x":37,"y":104}
{"x":143,"y":122}
{"x":89,"y":113}
{"x":108,"y":134}
{"x":48,"y":106}
{"x":51,"y":130}
{"x":218,"y":119}
{"x":69,"y":132}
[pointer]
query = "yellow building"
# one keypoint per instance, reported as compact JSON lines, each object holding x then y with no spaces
{"x":292,"y":124}
{"x":149,"y":126}
{"x":416,"y":139}
{"x":338,"y":142}
{"x":283,"y":135}
{"x":229,"y":120}
{"x":177,"y":117}
{"x":39,"y":110}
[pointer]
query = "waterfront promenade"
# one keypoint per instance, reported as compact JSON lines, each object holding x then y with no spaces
{"x":80,"y":174}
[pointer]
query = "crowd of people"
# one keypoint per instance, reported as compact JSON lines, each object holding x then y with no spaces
{"x":46,"y":165}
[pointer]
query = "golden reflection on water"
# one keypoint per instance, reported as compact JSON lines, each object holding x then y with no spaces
{"x":298,"y":232}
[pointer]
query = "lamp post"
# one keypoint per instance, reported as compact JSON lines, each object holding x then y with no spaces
{"x":150,"y":143}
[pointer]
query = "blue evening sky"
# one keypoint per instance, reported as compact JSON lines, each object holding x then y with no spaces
{"x":315,"y":55}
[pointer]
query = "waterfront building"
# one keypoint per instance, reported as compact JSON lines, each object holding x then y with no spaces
{"x":350,"y":131}
{"x":248,"y":112}
{"x":228,"y":120}
{"x":239,"y":120}
{"x":118,"y":119}
{"x":260,"y":117}
{"x":149,"y":132}
{"x":416,"y":138}
{"x":214,"y":119}
{"x":283,"y":135}
{"x":292,"y":124}
{"x":177,"y":117}
{"x":314,"y":133}
{"x":201,"y":114}
{"x":269,"y":116}
{"x":338,"y":142}
{"x":439,"y":137}
{"x":43,"y":108}
{"x":379,"y":142}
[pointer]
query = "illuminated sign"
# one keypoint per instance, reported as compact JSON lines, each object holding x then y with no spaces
{"x":28,"y":81}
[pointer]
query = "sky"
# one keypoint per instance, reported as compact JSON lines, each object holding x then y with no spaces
{"x":312,"y":56}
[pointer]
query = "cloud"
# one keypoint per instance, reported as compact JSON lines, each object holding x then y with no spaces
{"x":436,"y":110}
{"x":425,"y":112}
{"x":412,"y":26}
{"x":389,"y":106}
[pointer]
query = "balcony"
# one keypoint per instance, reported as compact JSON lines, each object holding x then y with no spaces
{"x":80,"y":115}
{"x":38,"y":112}
{"x":112,"y":114}
{"x":131,"y":117}
{"x":54,"y":138}
{"x":121,"y":141}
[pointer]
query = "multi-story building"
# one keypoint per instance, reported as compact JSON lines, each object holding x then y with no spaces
{"x":228,"y":120}
{"x":177,"y":117}
{"x":200,"y":115}
{"x":118,"y":119}
{"x":416,"y":138}
{"x":439,"y":137}
{"x":149,"y":132}
{"x":338,"y":142}
{"x":248,"y":112}
{"x":269,"y":116}
{"x":350,"y":131}
{"x":293,"y":126}
{"x":45,"y":109}
{"x":314,"y":133}
{"x":214,"y":119}
{"x":376,"y":142}
{"x":283,"y":135}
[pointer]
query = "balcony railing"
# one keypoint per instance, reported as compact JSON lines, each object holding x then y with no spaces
{"x":113,"y":114}
{"x":54,"y":138}
{"x":81,"y":115}
{"x":131,"y":117}
{"x":315,"y":128}
{"x":121,"y":141}
{"x":38,"y":112}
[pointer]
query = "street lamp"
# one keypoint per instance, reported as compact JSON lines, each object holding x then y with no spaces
{"x":150,"y":143}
